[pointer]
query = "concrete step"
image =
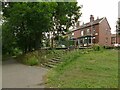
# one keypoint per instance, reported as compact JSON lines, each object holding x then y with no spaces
{"x":55,"y":59}
{"x":51,"y":63}
{"x":48,"y":65}
{"x":58,"y":58}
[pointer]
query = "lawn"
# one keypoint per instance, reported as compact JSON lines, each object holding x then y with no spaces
{"x":85,"y":69}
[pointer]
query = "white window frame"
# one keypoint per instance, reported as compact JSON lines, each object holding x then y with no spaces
{"x":88,"y":31}
{"x":82,"y":33}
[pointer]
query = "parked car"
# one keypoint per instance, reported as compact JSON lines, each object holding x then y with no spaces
{"x":116,"y":45}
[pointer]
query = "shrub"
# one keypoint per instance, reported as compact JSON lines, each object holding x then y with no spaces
{"x":16,"y":52}
{"x":30,"y":59}
{"x":38,"y":57}
{"x":108,"y":47}
{"x":97,"y":47}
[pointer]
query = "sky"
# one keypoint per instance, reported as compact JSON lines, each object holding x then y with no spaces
{"x":100,"y":8}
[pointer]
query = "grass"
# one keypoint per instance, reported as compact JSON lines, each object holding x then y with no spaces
{"x":96,"y":69}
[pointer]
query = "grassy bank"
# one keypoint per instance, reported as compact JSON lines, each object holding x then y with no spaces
{"x":38,"y":57}
{"x":83,"y":69}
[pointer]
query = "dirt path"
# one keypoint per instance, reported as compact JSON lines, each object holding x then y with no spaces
{"x":15,"y":75}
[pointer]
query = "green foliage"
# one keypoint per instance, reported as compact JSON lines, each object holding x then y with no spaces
{"x":30,"y":59}
{"x":25,"y":22}
{"x":0,"y":41}
{"x":71,"y":42}
{"x":66,"y":15}
{"x":38,"y":57}
{"x":118,"y":28}
{"x":16,"y":52}
{"x":97,"y":47}
{"x":8,"y":39}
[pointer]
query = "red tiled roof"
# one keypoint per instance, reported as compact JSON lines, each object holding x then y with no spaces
{"x":90,"y":23}
{"x":97,"y":21}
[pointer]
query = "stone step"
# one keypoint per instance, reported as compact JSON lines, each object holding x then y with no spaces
{"x":54,"y":61}
{"x":51,"y":63}
{"x":48,"y":65}
{"x":58,"y":58}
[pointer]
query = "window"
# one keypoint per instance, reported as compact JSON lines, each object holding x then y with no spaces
{"x":89,"y":40}
{"x":88,"y":31}
{"x":93,"y":31}
{"x":85,"y":40}
{"x":106,"y":31}
{"x":81,"y":41}
{"x":81,"y":33}
{"x":106,"y":40}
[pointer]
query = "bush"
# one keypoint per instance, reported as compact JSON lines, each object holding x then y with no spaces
{"x":97,"y":47}
{"x":30,"y":59}
{"x":108,"y":47}
{"x":38,"y":57}
{"x":16,"y":52}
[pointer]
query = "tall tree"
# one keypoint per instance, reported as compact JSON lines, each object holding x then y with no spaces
{"x":66,"y":15}
{"x":27,"y":21}
{"x":118,"y":31}
{"x":118,"y":26}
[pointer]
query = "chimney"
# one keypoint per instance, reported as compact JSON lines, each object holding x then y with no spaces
{"x":91,"y":18}
{"x":97,"y":18}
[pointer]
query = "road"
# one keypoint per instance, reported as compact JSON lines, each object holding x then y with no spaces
{"x":16,"y":75}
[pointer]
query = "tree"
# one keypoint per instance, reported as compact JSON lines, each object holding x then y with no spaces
{"x":8,"y":40}
{"x":27,"y":22}
{"x":66,"y":15}
{"x":118,"y":24}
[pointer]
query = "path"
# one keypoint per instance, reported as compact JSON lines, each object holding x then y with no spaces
{"x":0,"y":73}
{"x":16,"y":75}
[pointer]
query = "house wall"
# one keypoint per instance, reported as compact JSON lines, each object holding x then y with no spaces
{"x":76,"y":33}
{"x":113,"y":40}
{"x":118,"y":39}
{"x":96,"y":33}
{"x":104,"y":33}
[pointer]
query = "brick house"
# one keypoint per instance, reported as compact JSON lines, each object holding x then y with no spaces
{"x":115,"y":39}
{"x":94,"y":32}
{"x":118,"y":39}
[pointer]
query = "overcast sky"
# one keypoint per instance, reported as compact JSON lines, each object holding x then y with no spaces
{"x":100,"y":8}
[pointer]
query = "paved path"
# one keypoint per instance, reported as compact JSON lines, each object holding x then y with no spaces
{"x":15,"y":75}
{"x":0,"y":73}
